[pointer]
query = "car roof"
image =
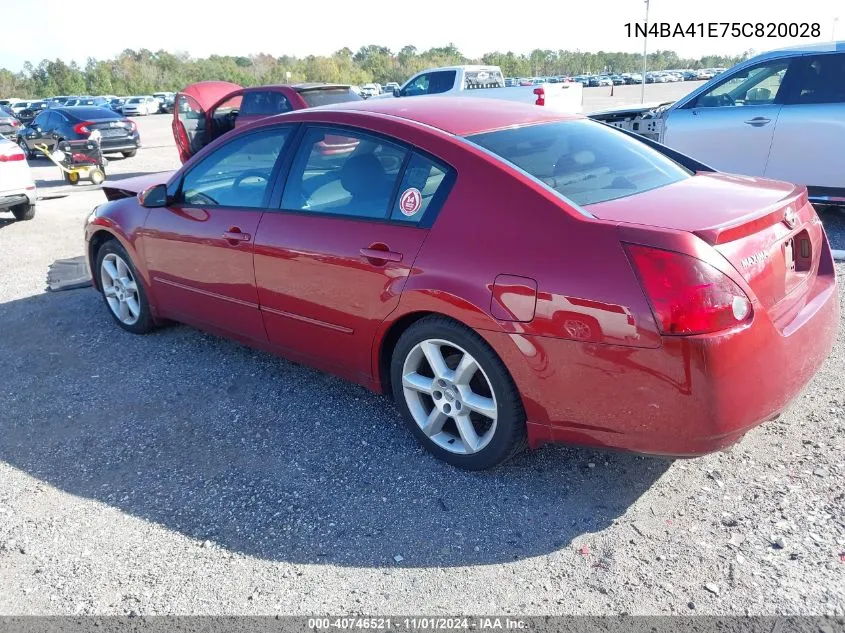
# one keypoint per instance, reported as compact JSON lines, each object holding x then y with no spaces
{"x":88,"y":112}
{"x":824,"y":47}
{"x":457,"y":115}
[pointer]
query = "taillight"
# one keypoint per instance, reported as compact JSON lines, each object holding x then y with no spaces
{"x":15,"y":123}
{"x":82,"y":128}
{"x":14,"y":155}
{"x":132,"y":126}
{"x":541,"y":96}
{"x":687,"y":295}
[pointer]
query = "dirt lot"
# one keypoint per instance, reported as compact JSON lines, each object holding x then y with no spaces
{"x":181,"y":473}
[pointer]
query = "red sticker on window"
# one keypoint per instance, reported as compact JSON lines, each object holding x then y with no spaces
{"x":410,"y":202}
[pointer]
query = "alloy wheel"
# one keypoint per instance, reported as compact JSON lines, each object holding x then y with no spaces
{"x":120,"y":289}
{"x":449,"y":396}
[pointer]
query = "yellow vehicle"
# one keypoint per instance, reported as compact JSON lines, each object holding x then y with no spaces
{"x":78,"y":160}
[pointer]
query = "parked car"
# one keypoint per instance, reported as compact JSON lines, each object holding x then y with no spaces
{"x":17,"y":188}
{"x":9,"y":123}
{"x":617,"y":80}
{"x":162,"y":98}
{"x":98,"y":102}
{"x":778,"y":115}
{"x":116,"y":104}
{"x":206,"y":110}
{"x":489,"y":82}
{"x":500,"y":342}
{"x":370,"y":90}
{"x":140,"y":106}
{"x":32,"y":110}
{"x":634,"y":78}
{"x":119,"y":135}
{"x":600,"y":80}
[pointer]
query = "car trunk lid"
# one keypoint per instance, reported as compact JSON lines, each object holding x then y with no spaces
{"x":110,"y":128}
{"x":128,"y":187}
{"x":766,"y":229}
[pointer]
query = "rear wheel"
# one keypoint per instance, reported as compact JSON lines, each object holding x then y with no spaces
{"x":25,"y":211}
{"x":122,"y":289}
{"x":97,"y":177}
{"x":26,"y":151}
{"x":129,"y":154}
{"x":456,"y":395}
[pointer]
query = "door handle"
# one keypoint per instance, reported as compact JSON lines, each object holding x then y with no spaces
{"x":235,"y":236}
{"x":758,"y":121}
{"x":381,"y":254}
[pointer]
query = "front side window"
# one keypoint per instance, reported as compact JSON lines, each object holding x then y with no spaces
{"x":585,"y":161}
{"x":431,"y":83}
{"x":752,"y":86}
{"x":343,"y":172}
{"x":820,"y":79}
{"x":264,"y":103}
{"x":237,"y":174}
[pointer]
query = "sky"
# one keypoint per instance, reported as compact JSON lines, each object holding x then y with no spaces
{"x":56,"y":28}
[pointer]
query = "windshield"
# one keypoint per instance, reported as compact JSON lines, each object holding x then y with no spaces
{"x":585,"y":161}
{"x":136,"y":100}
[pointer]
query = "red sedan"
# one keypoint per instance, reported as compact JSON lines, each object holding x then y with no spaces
{"x":207,"y":110}
{"x":510,"y":275}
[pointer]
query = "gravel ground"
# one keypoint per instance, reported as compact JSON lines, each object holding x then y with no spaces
{"x":182,"y":473}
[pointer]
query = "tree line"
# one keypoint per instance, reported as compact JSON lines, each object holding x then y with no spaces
{"x":144,"y":71}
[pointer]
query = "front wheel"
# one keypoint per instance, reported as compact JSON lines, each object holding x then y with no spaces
{"x":456,"y":395}
{"x":122,"y":289}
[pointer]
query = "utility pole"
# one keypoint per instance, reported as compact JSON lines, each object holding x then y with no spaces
{"x":645,"y":52}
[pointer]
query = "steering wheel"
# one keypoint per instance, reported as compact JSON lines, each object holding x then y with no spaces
{"x":199,"y":199}
{"x":250,"y":173}
{"x":726,"y":100}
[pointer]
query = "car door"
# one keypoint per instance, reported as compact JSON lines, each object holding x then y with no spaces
{"x":731,"y":126}
{"x":436,"y":82}
{"x":331,"y":263}
{"x":810,"y":133}
{"x":190,"y":109}
{"x":199,"y":248}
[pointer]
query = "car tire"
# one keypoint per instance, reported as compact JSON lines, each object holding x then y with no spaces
{"x":129,"y":154}
{"x":472,"y":419}
{"x":25,"y":211}
{"x":25,"y":149}
{"x":114,"y":270}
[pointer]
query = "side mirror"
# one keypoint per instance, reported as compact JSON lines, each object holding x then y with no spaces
{"x":153,"y":197}
{"x":397,"y":92}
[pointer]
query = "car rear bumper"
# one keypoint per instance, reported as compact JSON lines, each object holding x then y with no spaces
{"x":689,"y":397}
{"x":14,"y":197}
{"x":109,"y":146}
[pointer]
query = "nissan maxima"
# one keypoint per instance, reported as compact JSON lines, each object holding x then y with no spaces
{"x":511,"y":276}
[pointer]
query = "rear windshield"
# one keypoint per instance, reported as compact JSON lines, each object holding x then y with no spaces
{"x":329,"y":96}
{"x":82,"y":112}
{"x":585,"y":161}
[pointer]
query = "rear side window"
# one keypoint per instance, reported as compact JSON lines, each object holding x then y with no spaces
{"x":483,"y":79}
{"x":421,"y":184}
{"x":343,"y":172}
{"x":264,"y":103}
{"x":585,"y":161}
{"x":819,"y":79}
{"x":329,"y":96}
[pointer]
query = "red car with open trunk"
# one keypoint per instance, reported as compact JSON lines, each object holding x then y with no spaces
{"x":510,"y":275}
{"x":206,"y":110}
